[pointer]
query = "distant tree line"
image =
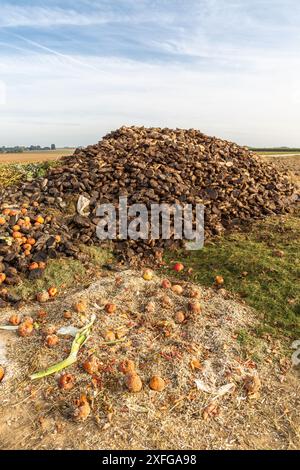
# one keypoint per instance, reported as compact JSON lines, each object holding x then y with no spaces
{"x":274,"y":149}
{"x":20,"y":149}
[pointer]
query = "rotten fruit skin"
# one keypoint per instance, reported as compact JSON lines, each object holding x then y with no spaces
{"x":157,"y":383}
{"x":52,"y":291}
{"x":83,"y":409}
{"x":51,"y":341}
{"x":66,"y":381}
{"x":194,"y":294}
{"x":80,"y":307}
{"x":110,"y":308}
{"x":219,"y":280}
{"x":166,"y":284}
{"x":49,"y":330}
{"x":91,"y":365}
{"x":67,"y":315}
{"x":133,"y":382}
{"x":195,"y":307}
{"x":179,"y":317}
{"x":15,"y":320}
{"x":177,"y":289}
{"x":42,"y":297}
{"x":127,"y":367}
{"x":166,"y":301}
{"x":25,"y":329}
{"x":109,"y":336}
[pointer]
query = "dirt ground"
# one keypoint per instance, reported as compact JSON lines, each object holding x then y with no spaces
{"x":206,"y":403}
{"x":34,"y":157}
{"x":287,"y":162}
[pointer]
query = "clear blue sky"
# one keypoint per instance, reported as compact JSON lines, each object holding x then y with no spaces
{"x":72,"y":70}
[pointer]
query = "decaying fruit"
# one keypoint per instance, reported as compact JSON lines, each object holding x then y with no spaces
{"x":177,"y":289}
{"x":51,"y":341}
{"x":49,"y":330}
{"x":179,"y":317}
{"x":219,"y":280}
{"x":157,"y":383}
{"x":27,"y":247}
{"x":40,"y":220}
{"x":80,"y":307}
{"x":133,"y":382}
{"x":91,"y":365}
{"x":17,"y":235}
{"x":166,"y":284}
{"x":148,"y":275}
{"x":33,"y":266}
{"x":42,"y":296}
{"x":15,"y":319}
{"x":110,"y":308}
{"x":166,"y":301}
{"x":25,"y":329}
{"x":41,"y":314}
{"x":127,"y":366}
{"x":66,"y":381}
{"x":194,"y":294}
{"x":178,"y":267}
{"x":109,"y":336}
{"x":52,"y":291}
{"x":2,"y":373}
{"x":83,"y":409}
{"x":195,"y":307}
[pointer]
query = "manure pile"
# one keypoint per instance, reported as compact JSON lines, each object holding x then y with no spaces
{"x":154,"y":165}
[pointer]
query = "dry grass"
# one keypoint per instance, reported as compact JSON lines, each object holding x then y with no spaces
{"x":34,"y":157}
{"x":222,"y":339}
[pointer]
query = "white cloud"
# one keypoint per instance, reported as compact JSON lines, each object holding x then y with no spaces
{"x":232,"y":71}
{"x":14,"y":15}
{"x":93,"y":13}
{"x":49,"y":99}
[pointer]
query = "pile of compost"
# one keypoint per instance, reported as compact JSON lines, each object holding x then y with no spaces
{"x":148,"y":165}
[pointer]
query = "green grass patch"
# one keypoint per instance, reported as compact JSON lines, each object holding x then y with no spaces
{"x":64,"y":273}
{"x":97,"y":255}
{"x":13,"y":173}
{"x":59,"y":273}
{"x":272,"y":283}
